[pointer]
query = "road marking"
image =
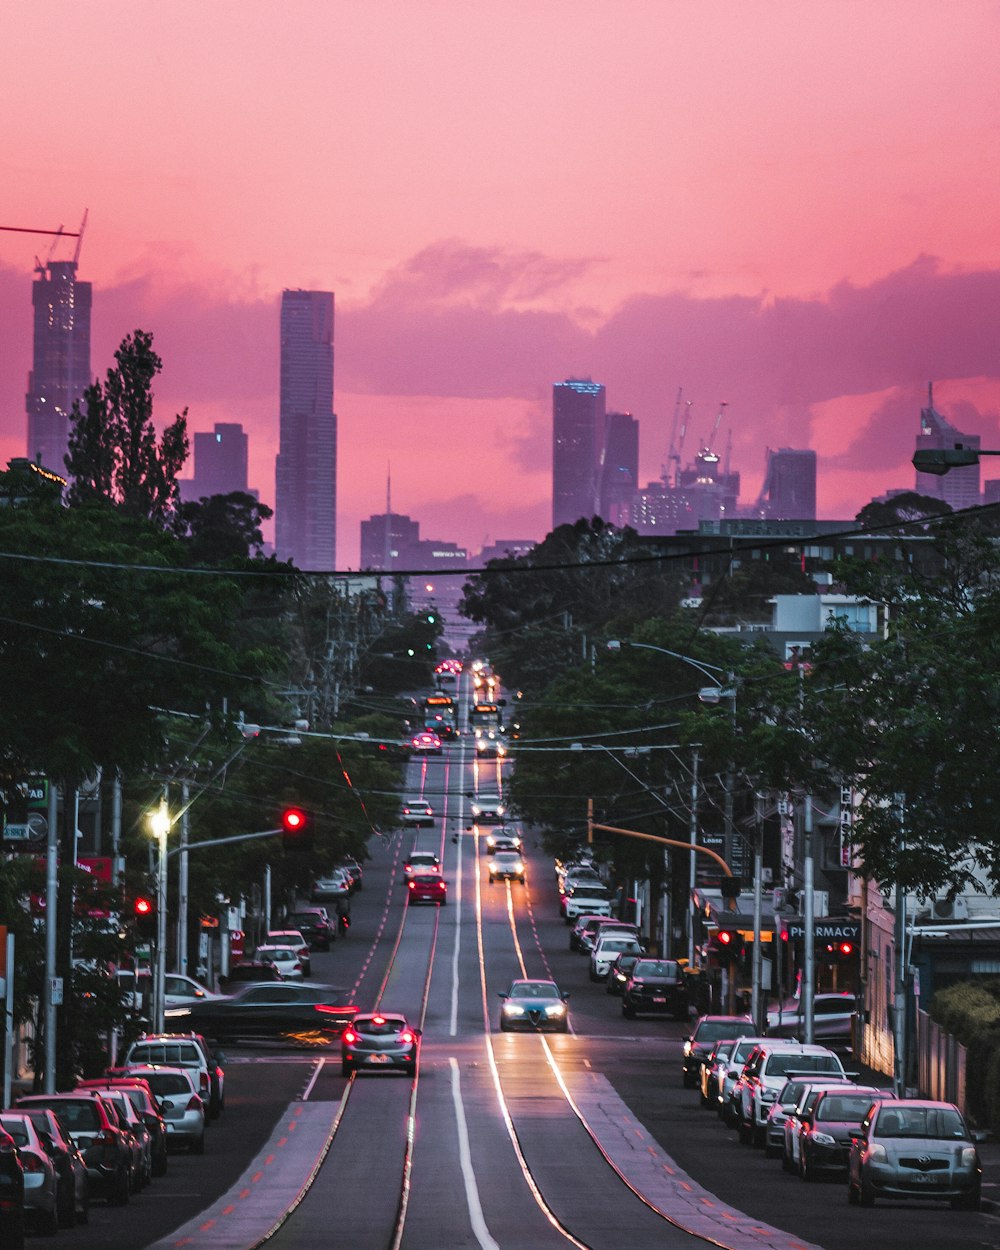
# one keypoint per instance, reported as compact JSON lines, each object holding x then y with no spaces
{"x":312,"y":1081}
{"x":453,"y":1018}
{"x":479,"y":1228}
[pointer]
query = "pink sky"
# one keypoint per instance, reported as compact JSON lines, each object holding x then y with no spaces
{"x":792,"y":208}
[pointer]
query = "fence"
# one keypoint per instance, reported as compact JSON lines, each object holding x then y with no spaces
{"x":940,"y":1063}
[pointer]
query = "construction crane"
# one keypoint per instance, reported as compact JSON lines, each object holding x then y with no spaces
{"x":58,"y":234}
{"x":710,"y":442}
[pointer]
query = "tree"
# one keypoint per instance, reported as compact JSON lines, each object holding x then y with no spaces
{"x":113,"y":450}
{"x":223,"y":529}
{"x":902,"y":510}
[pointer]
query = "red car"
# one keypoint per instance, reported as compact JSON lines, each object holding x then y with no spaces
{"x":426,"y":742}
{"x":425,"y":888}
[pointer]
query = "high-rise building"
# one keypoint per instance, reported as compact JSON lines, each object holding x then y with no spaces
{"x":619,"y":467}
{"x":960,"y":487}
{"x":389,"y":541}
{"x":61,"y":359}
{"x":306,"y":467}
{"x":790,"y":484}
{"x":578,"y":432}
{"x":220,"y":463}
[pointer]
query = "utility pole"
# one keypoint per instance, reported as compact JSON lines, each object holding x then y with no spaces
{"x":758,"y":954}
{"x":899,"y":1006}
{"x":809,"y":924}
{"x":693,"y":858}
{"x":51,"y":904}
{"x":182,"y":882}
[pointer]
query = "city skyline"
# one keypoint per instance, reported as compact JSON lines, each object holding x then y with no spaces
{"x":741,"y":226}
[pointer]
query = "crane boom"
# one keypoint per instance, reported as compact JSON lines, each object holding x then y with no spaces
{"x":67,"y":234}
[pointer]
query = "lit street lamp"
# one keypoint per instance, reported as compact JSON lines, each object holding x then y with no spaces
{"x":159,"y":822}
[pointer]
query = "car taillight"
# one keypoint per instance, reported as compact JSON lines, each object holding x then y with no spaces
{"x":350,"y":1037}
{"x":334,"y":1011}
{"x":407,"y":1036}
{"x":32,"y":1163}
{"x":203,"y":1080}
{"x":441,"y":885}
{"x":412,"y":885}
{"x":108,"y":1136}
{"x":194,"y":1103}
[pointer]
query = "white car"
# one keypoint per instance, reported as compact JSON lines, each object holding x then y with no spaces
{"x":416,"y":812}
{"x":606,"y":951}
{"x":284,"y":959}
{"x":764,"y":1075}
{"x":488,"y":809}
{"x":295,"y":940}
{"x":334,"y":885}
{"x":181,"y":1103}
{"x":585,"y":898}
{"x":41,"y":1184}
{"x":506,"y":866}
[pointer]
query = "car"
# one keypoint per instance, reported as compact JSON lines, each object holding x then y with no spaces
{"x":94,"y":1127}
{"x":535,"y":1006}
{"x":581,"y":924}
{"x":579,"y":876}
{"x":730,"y":1063}
{"x":619,"y":972}
{"x":146,"y":1105}
{"x":41,"y":1181}
{"x":354,"y":870}
{"x":379,"y":1042}
{"x":73,"y":1200}
{"x":827,"y":1119}
{"x":295,"y":1011}
{"x":604,"y":926}
{"x":656,"y":987}
{"x":765,"y":1072}
{"x":914,"y":1148}
{"x":488,"y":808}
{"x":139,"y":1134}
{"x":707,"y":1031}
{"x":248,"y":970}
{"x":427,"y":887}
{"x":183,"y":1047}
{"x":180,"y":1102}
{"x":416,"y":812}
{"x":504,"y":840}
{"x":607,"y":949}
{"x":834,"y":1015}
{"x":296,"y":941}
{"x":285,"y":959}
{"x":315,"y":926}
{"x":178,"y":989}
{"x":781,"y":1138}
{"x":489,"y":745}
{"x":426,"y":742}
{"x":11,"y":1193}
{"x":334,"y":885}
{"x":506,"y":866}
{"x":585,"y":897}
{"x":712,"y":1070}
{"x":421,"y":862}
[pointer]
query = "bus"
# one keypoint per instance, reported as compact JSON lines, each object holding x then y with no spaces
{"x":484,"y":717}
{"x":440,"y":714}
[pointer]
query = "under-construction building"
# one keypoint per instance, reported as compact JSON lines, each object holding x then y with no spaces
{"x":960,"y":487}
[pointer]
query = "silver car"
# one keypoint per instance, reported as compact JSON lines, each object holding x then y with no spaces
{"x":176,"y":1090}
{"x":41,"y":1188}
{"x":914,"y":1148}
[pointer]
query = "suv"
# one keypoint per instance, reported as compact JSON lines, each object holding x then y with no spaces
{"x":586,"y":897}
{"x":94,"y":1126}
{"x":606,"y":950}
{"x":182,"y":1050}
{"x":765,"y":1072}
{"x":656,"y":986}
{"x":421,"y":861}
{"x":293,"y":939}
{"x":314,"y":925}
{"x":708,"y":1031}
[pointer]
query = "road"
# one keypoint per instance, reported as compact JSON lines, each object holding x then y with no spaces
{"x":504,"y":1140}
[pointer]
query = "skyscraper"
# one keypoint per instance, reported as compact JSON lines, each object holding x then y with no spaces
{"x":61,"y":359}
{"x":220,"y":463}
{"x":790,"y":484}
{"x":306,"y":467}
{"x":960,"y":487}
{"x":578,"y":431}
{"x":619,"y":467}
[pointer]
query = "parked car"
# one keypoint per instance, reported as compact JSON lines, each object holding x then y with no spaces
{"x":707,"y":1031}
{"x":296,"y":941}
{"x":144,"y":1101}
{"x":11,"y":1193}
{"x":416,"y":812}
{"x":332,"y":886}
{"x":535,"y":1006}
{"x":354,"y":871}
{"x":185,"y":1048}
{"x":782,"y":1127}
{"x":606,"y":926}
{"x":94,"y":1127}
{"x":41,"y":1181}
{"x":586,"y":875}
{"x":315,"y":926}
{"x":826,"y":1121}
{"x":248,"y":971}
{"x":606,"y":951}
{"x":765,"y":1072}
{"x":833,"y":1019}
{"x":379,"y":1042}
{"x":181,"y":1104}
{"x":285,"y":1012}
{"x":506,"y":866}
{"x":582,"y":923}
{"x":287,"y":961}
{"x":586,"y":897}
{"x":427,"y":887}
{"x":656,"y":987}
{"x":729,"y":1068}
{"x":619,"y":973}
{"x":139,"y":1135}
{"x":914,"y":1148}
{"x":71,"y":1170}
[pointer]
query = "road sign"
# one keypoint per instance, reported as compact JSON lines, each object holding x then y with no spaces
{"x":56,"y":990}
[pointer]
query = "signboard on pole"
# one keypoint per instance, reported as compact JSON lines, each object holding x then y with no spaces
{"x":25,"y":815}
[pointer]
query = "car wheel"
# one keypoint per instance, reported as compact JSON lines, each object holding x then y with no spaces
{"x":966,"y":1202}
{"x":786,"y":1163}
{"x":444,"y":902}
{"x":628,"y":1012}
{"x":346,"y":1069}
{"x":757,"y":1136}
{"x":67,"y":1206}
{"x":48,"y":1223}
{"x":744,"y":1132}
{"x":852,"y":1193}
{"x":867,"y":1195}
{"x":805,"y":1171}
{"x":504,"y":1027}
{"x":771,"y":1151}
{"x":687,"y":1080}
{"x":122,"y":1191}
{"x":83,"y":1215}
{"x":160,"y":1164}
{"x":703,"y":1098}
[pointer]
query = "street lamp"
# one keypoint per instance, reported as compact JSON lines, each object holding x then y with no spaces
{"x":159,"y":822}
{"x":941,"y":460}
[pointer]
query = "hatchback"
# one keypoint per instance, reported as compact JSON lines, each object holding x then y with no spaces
{"x":606,"y":951}
{"x":416,"y":812}
{"x":506,"y":866}
{"x":74,"y":1187}
{"x":427,"y":888}
{"x":707,"y":1031}
{"x":379,"y":1042}
{"x":827,"y":1120}
{"x":488,"y":809}
{"x":94,"y":1127}
{"x":176,"y":1091}
{"x":41,"y":1182}
{"x":284,"y":959}
{"x":294,"y":939}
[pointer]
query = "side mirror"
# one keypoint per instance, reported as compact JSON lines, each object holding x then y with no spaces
{"x":417,"y":1032}
{"x":565,"y":998}
{"x":166,"y":1105}
{"x":501,"y":995}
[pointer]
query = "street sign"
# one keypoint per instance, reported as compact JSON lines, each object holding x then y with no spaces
{"x":56,"y":990}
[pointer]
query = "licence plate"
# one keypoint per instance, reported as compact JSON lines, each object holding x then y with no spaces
{"x":658,"y":999}
{"x":377,"y":1059}
{"x":922,"y":1178}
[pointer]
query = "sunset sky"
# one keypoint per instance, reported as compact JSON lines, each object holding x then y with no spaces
{"x":789,"y":207}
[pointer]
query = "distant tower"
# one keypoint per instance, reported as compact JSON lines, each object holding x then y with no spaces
{"x":61,"y":360}
{"x":306,"y":467}
{"x":578,"y":432}
{"x":791,"y":484}
{"x":220,"y":463}
{"x":960,"y":487}
{"x":620,"y":467}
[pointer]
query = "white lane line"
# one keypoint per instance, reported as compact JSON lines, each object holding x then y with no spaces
{"x":453,"y":1018}
{"x":313,"y":1078}
{"x":482,"y":1233}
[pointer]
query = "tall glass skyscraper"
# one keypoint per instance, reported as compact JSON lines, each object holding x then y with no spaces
{"x":305,"y":513}
{"x":960,"y":487}
{"x":578,"y":430}
{"x":61,"y":360}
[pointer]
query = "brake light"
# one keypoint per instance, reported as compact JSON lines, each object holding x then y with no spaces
{"x":203,"y":1080}
{"x":379,"y":1020}
{"x":334,"y":1011}
{"x":441,"y":885}
{"x":350,"y":1037}
{"x":407,"y":1036}
{"x":194,"y":1103}
{"x":412,"y":885}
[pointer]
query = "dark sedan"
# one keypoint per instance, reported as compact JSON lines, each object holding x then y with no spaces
{"x":379,"y":1042}
{"x":656,"y":986}
{"x":301,"y":1012}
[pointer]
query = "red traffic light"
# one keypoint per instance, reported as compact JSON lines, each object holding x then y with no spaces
{"x":293,"y":819}
{"x":144,"y":911}
{"x":144,"y":906}
{"x":295,"y":832}
{"x":725,"y":938}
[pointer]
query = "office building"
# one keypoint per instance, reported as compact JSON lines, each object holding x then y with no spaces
{"x":578,"y":434}
{"x":306,"y":466}
{"x":960,"y":487}
{"x":60,"y":361}
{"x":220,"y":463}
{"x":790,"y":485}
{"x":389,"y":540}
{"x":619,"y":467}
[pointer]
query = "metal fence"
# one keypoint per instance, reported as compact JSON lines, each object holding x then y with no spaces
{"x":940,"y":1063}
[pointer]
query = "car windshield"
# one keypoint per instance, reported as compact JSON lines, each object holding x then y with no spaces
{"x":844,"y":1108}
{"x":715,"y":1030}
{"x":940,"y":1123}
{"x":80,"y":1117}
{"x":164,"y":1052}
{"x":379,"y":1027}
{"x":16,"y":1129}
{"x":618,"y":944}
{"x":781,"y":1065}
{"x":163,"y":1084}
{"x":535,"y":989}
{"x":657,"y":968}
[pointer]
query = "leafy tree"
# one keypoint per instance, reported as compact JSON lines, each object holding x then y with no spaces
{"x":223,"y":529}
{"x":902,"y":510}
{"x":113,"y":450}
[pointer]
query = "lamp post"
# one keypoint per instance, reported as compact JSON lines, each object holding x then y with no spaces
{"x":709,"y":694}
{"x":160,"y":825}
{"x":941,"y":460}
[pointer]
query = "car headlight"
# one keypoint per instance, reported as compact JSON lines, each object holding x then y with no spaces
{"x":823,"y":1139}
{"x":877,"y":1154}
{"x":500,"y":809}
{"x":475,"y":809}
{"x":512,"y":1009}
{"x":491,"y":840}
{"x":687,"y":1050}
{"x":969,"y":1157}
{"x":557,"y":1009}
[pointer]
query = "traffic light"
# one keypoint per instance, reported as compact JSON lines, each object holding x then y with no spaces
{"x":144,"y":911}
{"x":841,"y":952}
{"x":431,"y":618}
{"x":727,"y":946}
{"x":296,"y":835}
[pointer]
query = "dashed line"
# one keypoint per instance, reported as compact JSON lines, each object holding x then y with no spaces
{"x":256,"y":1177}
{"x":230,"y":1209}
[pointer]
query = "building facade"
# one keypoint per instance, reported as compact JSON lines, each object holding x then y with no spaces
{"x":960,"y":487}
{"x":60,"y":369}
{"x":578,"y":434}
{"x":790,"y":484}
{"x":220,"y":463}
{"x":306,"y":467}
{"x":619,"y":467}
